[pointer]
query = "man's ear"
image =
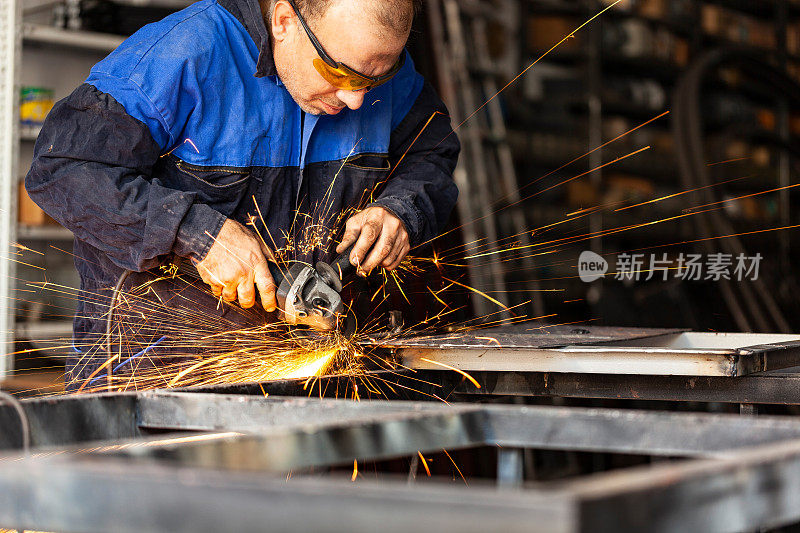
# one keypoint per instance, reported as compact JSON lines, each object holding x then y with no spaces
{"x":283,"y":20}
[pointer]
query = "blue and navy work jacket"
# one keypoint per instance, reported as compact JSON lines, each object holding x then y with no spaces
{"x":187,"y":124}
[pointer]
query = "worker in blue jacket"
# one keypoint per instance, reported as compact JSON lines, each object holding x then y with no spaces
{"x":231,"y":119}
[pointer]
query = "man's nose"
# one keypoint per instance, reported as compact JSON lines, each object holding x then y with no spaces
{"x":352,"y":99}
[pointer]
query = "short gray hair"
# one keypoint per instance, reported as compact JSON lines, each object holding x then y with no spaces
{"x":397,"y":15}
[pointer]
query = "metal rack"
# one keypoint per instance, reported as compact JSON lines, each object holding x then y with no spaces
{"x":48,"y":35}
{"x":10,"y":14}
{"x":14,"y":35}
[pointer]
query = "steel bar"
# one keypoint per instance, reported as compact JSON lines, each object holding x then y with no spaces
{"x":607,"y":430}
{"x":771,"y":388}
{"x":101,"y":496}
{"x":750,"y":490}
{"x":510,"y":474}
{"x":781,"y":388}
{"x":650,"y":433}
{"x":66,"y":420}
{"x":529,"y":336}
{"x":263,"y":433}
{"x":281,"y":449}
{"x":213,"y":412}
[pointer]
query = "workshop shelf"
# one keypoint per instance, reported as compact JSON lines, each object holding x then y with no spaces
{"x":49,"y":35}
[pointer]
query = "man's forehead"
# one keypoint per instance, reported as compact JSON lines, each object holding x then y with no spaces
{"x":350,"y":32}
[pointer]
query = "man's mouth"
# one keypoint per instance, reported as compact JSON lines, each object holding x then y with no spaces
{"x":329,"y":109}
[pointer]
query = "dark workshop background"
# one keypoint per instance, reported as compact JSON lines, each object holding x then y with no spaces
{"x":726,"y":70}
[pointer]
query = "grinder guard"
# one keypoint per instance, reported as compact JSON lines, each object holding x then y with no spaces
{"x":310,"y":296}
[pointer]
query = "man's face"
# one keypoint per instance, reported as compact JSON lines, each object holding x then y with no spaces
{"x":349,"y":34}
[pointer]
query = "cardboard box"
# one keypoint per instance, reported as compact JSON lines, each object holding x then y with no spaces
{"x":582,"y":193}
{"x":654,"y":9}
{"x":29,"y":213}
{"x":544,"y":31}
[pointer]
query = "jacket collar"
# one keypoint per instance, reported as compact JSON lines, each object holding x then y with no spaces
{"x":248,"y":12}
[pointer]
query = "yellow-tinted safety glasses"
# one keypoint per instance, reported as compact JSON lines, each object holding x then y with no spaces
{"x":338,"y":74}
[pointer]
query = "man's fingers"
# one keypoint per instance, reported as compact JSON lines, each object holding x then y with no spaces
{"x":229,"y":293}
{"x":381,"y":250}
{"x":394,"y":256}
{"x":266,"y":287}
{"x":369,"y":233}
{"x":247,"y":293}
{"x":399,"y":259}
{"x":208,"y":277}
{"x":216,"y":290}
{"x":268,"y":253}
{"x":348,"y":238}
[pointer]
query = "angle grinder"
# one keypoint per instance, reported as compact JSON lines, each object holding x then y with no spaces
{"x":309,"y":295}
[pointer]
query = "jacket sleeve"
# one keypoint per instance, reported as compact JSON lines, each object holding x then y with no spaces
{"x":92,"y":172}
{"x":423,"y":151}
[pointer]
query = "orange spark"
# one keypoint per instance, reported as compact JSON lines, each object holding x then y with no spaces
{"x":424,"y":463}
{"x":518,"y":76}
{"x":745,"y":196}
{"x":681,"y":193}
{"x":476,"y":291}
{"x":454,"y":369}
{"x":728,"y":161}
{"x":456,"y":466}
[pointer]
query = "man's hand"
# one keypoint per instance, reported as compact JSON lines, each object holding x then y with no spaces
{"x":235,"y":264}
{"x":379,"y":226}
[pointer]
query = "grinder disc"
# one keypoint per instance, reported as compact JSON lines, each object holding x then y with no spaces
{"x":348,"y":324}
{"x":329,"y":275}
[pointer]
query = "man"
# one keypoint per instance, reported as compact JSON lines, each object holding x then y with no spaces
{"x":231,"y":113}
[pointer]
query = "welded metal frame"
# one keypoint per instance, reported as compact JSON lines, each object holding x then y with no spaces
{"x":657,"y":353}
{"x":10,"y":44}
{"x":736,"y":473}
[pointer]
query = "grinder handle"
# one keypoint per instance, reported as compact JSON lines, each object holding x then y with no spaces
{"x":341,"y":265}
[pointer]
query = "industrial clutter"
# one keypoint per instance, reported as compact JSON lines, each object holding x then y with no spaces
{"x":388,"y":265}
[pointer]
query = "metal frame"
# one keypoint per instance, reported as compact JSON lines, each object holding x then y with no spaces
{"x":778,"y":388}
{"x":735,"y":474}
{"x":604,"y":351}
{"x":10,"y":43}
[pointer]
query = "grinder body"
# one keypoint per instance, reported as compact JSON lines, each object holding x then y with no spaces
{"x":312,"y":296}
